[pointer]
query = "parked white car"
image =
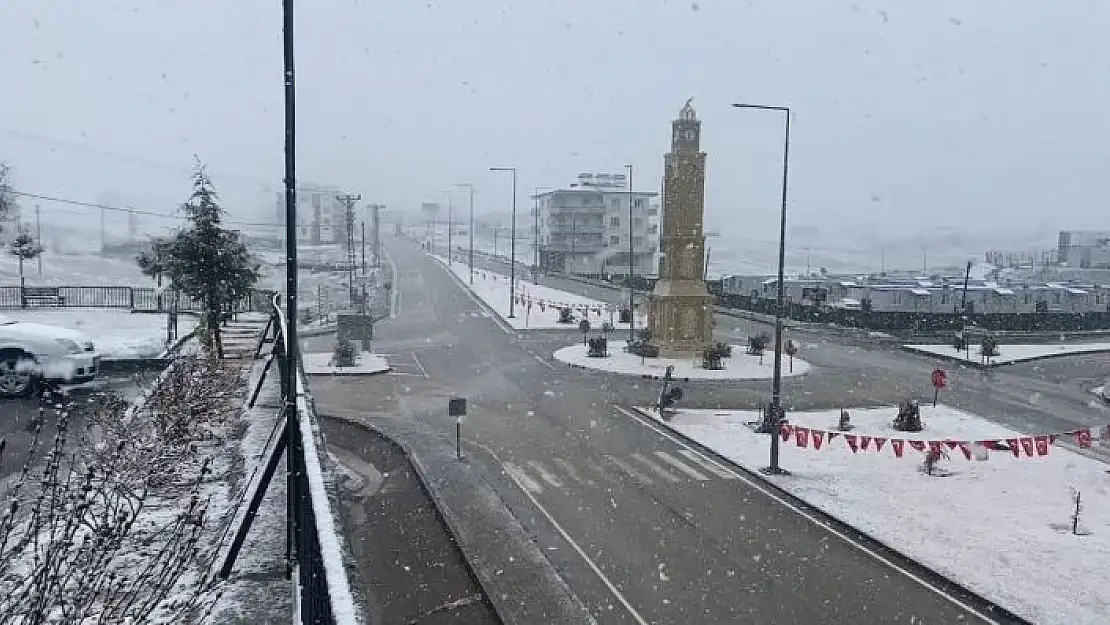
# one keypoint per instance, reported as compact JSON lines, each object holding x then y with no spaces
{"x":31,"y":353}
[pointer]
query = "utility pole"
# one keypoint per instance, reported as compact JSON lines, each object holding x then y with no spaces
{"x":363,"y":225}
{"x":101,"y":228}
{"x":348,"y":200}
{"x":631,"y":264}
{"x":470,"y":230}
{"x":450,"y":221}
{"x":38,"y":237}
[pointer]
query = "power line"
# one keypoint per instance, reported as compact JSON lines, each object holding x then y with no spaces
{"x":133,"y":211}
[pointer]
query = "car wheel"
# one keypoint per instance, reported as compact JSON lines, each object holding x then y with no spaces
{"x":16,"y":379}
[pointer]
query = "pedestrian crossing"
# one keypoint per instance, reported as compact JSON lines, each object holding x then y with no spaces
{"x":644,"y":467}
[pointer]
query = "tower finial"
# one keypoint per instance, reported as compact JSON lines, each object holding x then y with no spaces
{"x":687,"y":111}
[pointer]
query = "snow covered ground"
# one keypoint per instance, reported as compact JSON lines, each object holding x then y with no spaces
{"x":493,"y":290}
{"x":73,"y":269}
{"x":366,"y":363}
{"x":116,"y":333}
{"x":1013,"y":353}
{"x":1002,"y":526}
{"x":740,"y":367}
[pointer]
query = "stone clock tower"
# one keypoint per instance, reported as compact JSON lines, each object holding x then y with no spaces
{"x":680,"y":311}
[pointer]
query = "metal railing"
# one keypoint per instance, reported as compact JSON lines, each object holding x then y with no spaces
{"x":145,"y":299}
{"x":313,"y":553}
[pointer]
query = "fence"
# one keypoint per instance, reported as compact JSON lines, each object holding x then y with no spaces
{"x":322,"y":592}
{"x":143,"y":299}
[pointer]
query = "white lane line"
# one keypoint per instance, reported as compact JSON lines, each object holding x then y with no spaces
{"x":521,"y":478}
{"x":680,"y":465}
{"x":423,"y":371}
{"x":581,"y":553}
{"x":543,"y":362}
{"x":660,"y":430}
{"x":545,"y":475}
{"x":709,"y":465}
{"x":658,"y":470}
{"x":569,"y":469}
{"x":627,"y":468}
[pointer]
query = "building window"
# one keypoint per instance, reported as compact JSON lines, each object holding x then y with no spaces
{"x":614,"y":240}
{"x":638,"y":222}
{"x":614,"y":222}
{"x":653,"y":229}
{"x":615,"y":202}
{"x":639,"y":203}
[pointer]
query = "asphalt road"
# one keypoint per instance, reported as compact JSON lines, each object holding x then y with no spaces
{"x":643,"y":528}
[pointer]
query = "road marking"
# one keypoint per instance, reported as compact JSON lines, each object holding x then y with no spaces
{"x":423,"y":371}
{"x":581,"y":552}
{"x":569,"y":469}
{"x":544,"y":362}
{"x":680,"y":465}
{"x":709,"y":465}
{"x":660,"y":471}
{"x":545,"y":475}
{"x":627,"y":468}
{"x":521,"y":478}
{"x":763,"y":488}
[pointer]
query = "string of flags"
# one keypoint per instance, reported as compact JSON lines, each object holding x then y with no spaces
{"x":523,"y":299}
{"x":1023,"y":446}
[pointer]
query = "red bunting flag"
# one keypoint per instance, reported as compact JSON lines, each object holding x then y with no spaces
{"x":935,"y":447}
{"x":1083,"y":438}
{"x":918,"y":445}
{"x":1027,"y":445}
{"x":966,"y":448}
{"x":897,"y":443}
{"x":853,"y":442}
{"x":879,"y":443}
{"x":1041,"y":444}
{"x":864,"y":442}
{"x":1014,"y":447}
{"x":818,"y":438}
{"x":786,"y":431}
{"x":831,"y":435}
{"x":952,"y":444}
{"x":801,"y":436}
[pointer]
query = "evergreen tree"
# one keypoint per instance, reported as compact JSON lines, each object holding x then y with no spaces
{"x":208,"y":262}
{"x":25,"y":247}
{"x":7,"y":196}
{"x":152,"y":262}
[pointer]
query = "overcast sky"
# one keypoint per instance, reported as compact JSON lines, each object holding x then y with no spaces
{"x":987,"y":116}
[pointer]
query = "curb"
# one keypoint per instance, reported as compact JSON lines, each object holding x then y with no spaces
{"x":936,"y":580}
{"x":503,"y":604}
{"x":978,"y":365}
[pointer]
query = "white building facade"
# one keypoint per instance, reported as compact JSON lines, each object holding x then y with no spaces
{"x":321,"y":217}
{"x":584,"y":229}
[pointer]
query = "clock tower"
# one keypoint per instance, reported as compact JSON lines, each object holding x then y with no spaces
{"x":680,"y":311}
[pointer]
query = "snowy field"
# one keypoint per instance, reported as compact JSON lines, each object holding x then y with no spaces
{"x":74,"y":269}
{"x":1002,"y":526}
{"x":1013,"y":353}
{"x":543,"y":313}
{"x":116,"y":333}
{"x":740,"y":367}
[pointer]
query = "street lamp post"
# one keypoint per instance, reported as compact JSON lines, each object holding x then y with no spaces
{"x":631,"y":264}
{"x":512,"y":242}
{"x":773,"y":421}
{"x":470,"y":230}
{"x":450,"y":219}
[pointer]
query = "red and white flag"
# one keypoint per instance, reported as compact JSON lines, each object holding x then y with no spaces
{"x":853,"y":442}
{"x":818,"y":438}
{"x":879,"y":443}
{"x":1041,"y":443}
{"x":966,"y":448}
{"x":1027,"y":445}
{"x":864,"y":442}
{"x":801,"y":436}
{"x":896,"y":444}
{"x":918,"y":445}
{"x":786,"y":431}
{"x":1083,"y":438}
{"x":1014,"y":447}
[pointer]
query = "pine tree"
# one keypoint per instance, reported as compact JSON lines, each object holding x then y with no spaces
{"x":7,"y":195}
{"x":25,"y":247}
{"x":208,"y":262}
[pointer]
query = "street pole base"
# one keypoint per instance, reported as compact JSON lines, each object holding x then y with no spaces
{"x":774,"y":471}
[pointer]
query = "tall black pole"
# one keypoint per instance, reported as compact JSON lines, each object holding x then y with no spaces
{"x":470,"y":231}
{"x":631,"y":264}
{"x":773,"y":421}
{"x":362,"y":225}
{"x":290,"y":381}
{"x":450,"y":219}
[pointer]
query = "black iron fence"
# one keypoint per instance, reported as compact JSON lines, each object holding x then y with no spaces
{"x":143,"y":299}
{"x":322,"y":590}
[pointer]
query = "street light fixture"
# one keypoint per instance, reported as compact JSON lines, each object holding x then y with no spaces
{"x":512,"y":242}
{"x":631,"y":264}
{"x":773,"y":421}
{"x":470,"y":230}
{"x":450,"y":218}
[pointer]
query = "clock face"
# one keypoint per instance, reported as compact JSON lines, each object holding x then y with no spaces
{"x":688,"y":134}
